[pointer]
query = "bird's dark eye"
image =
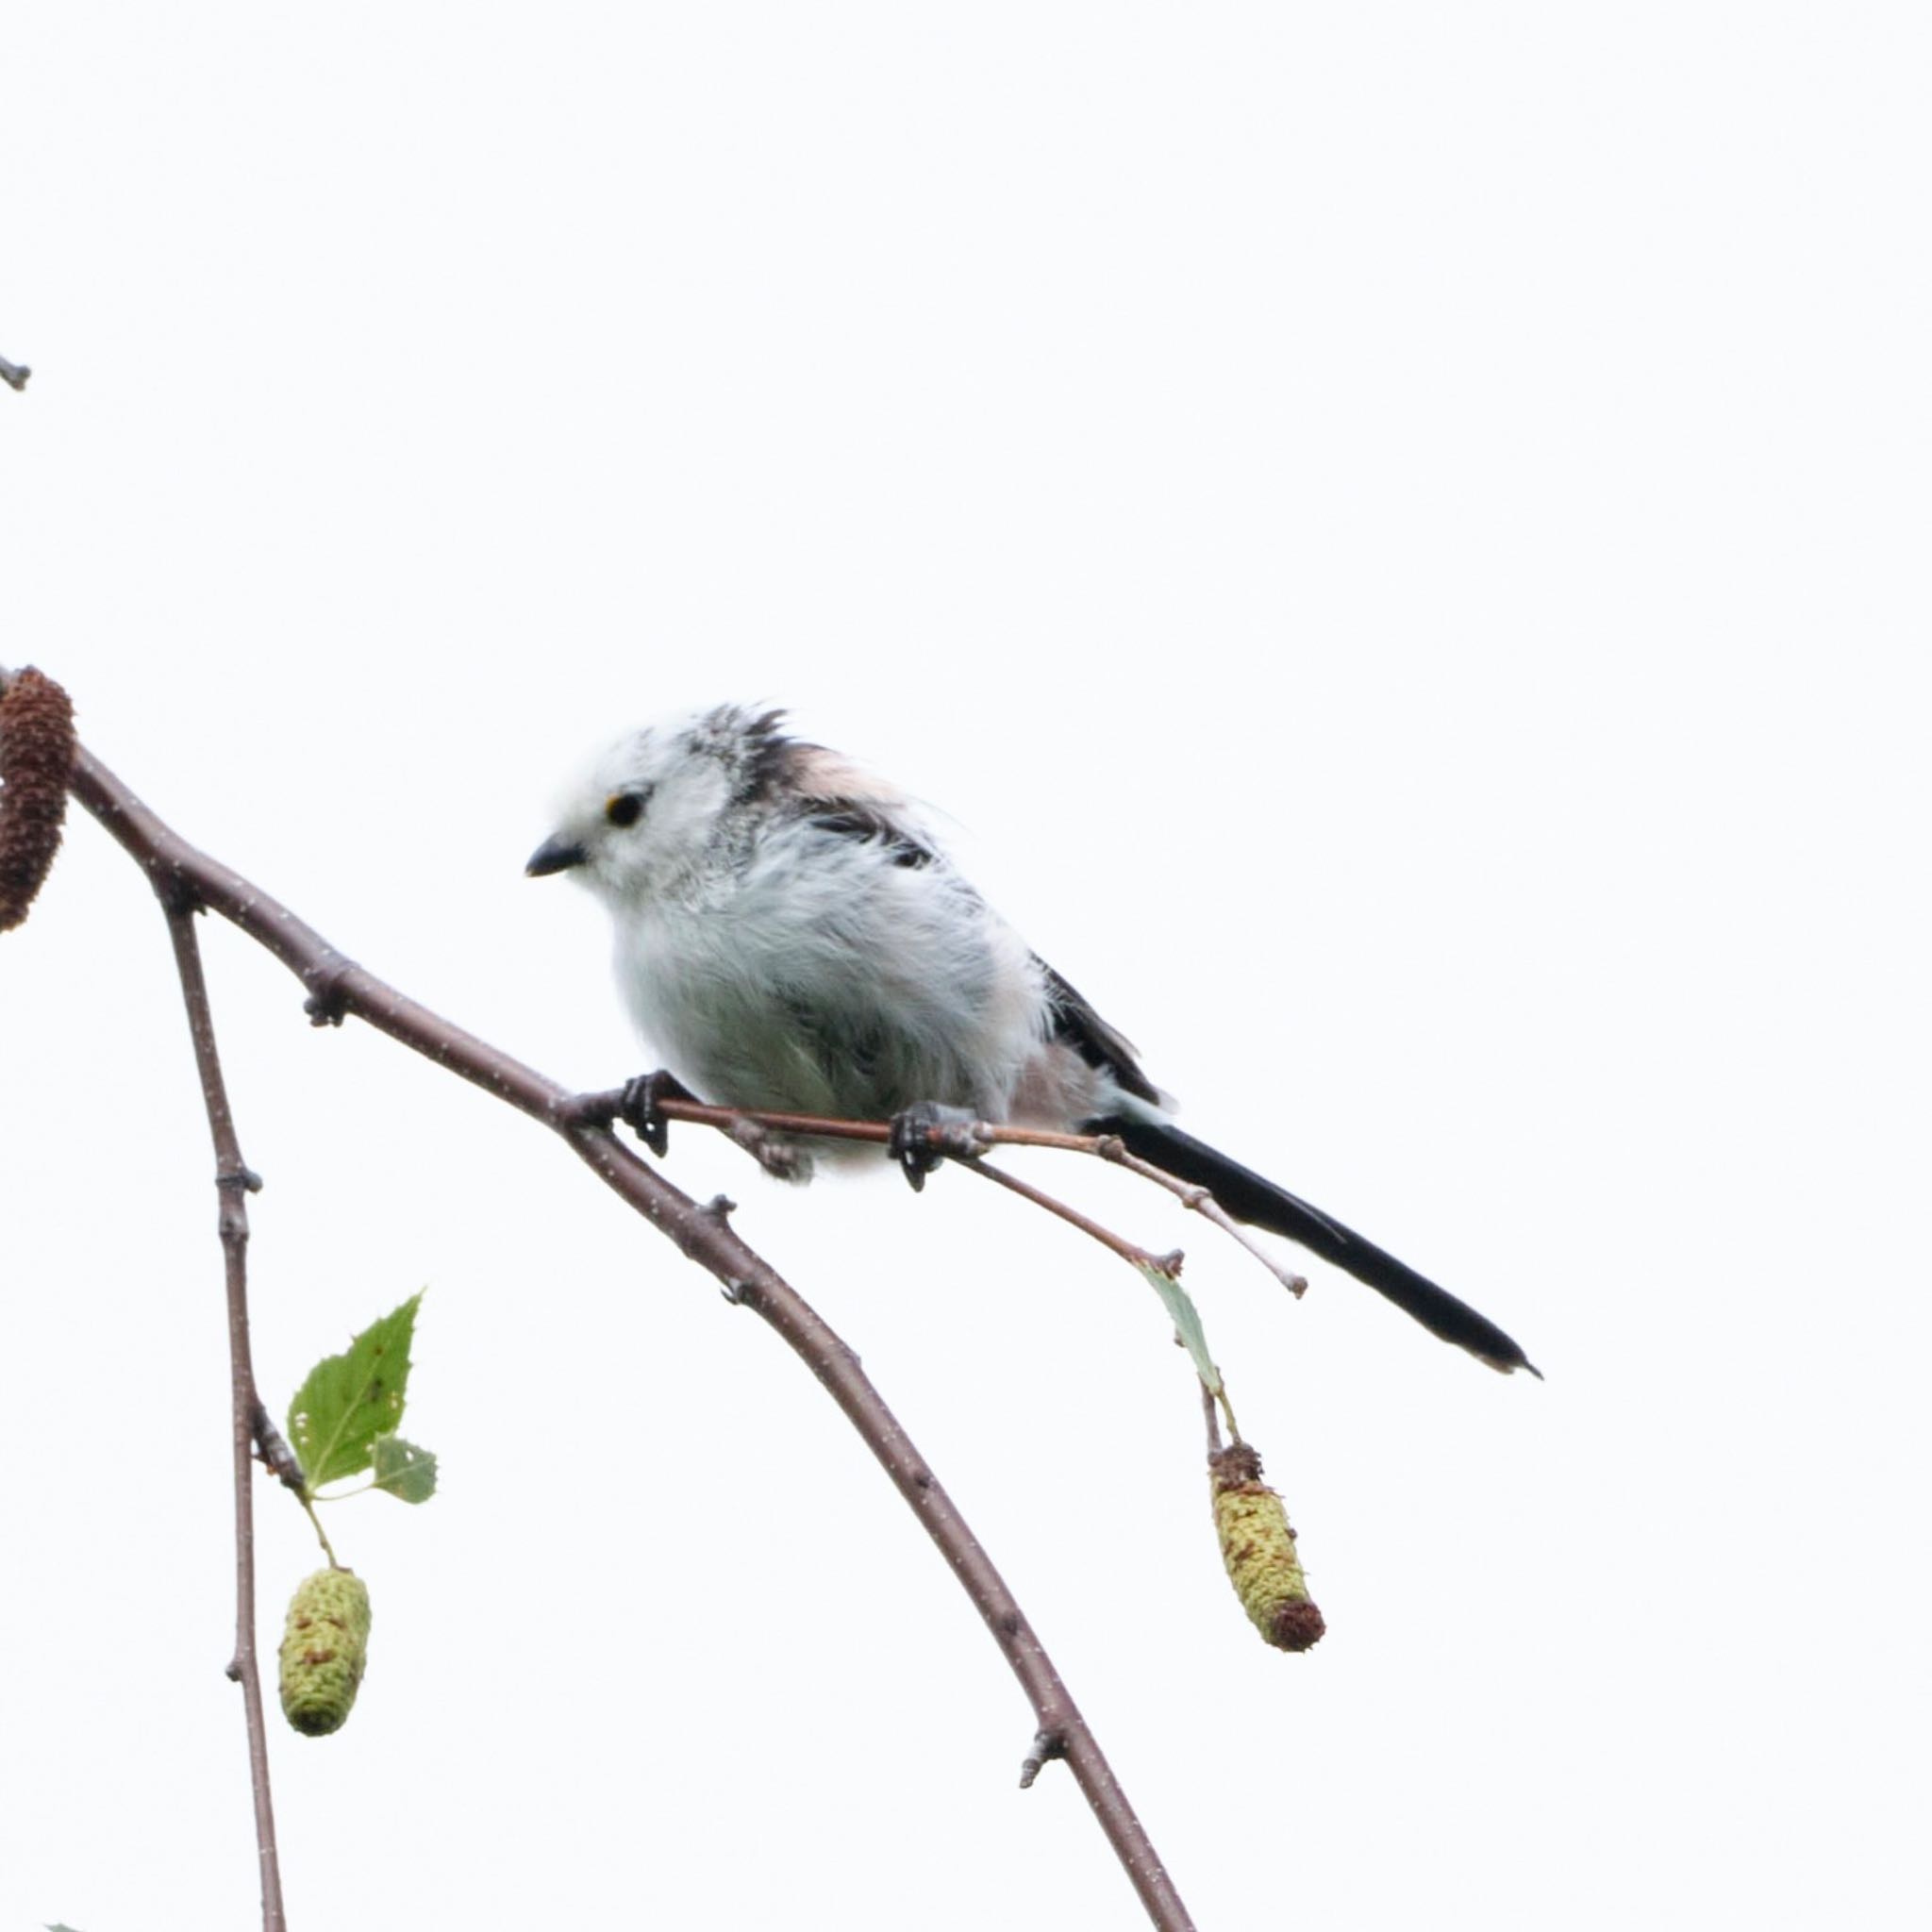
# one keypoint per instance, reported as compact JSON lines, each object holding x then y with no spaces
{"x":625,"y":807}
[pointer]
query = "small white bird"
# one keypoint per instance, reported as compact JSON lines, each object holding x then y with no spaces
{"x":793,"y":940}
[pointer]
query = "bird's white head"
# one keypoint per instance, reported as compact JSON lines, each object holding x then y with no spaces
{"x":663,"y":804}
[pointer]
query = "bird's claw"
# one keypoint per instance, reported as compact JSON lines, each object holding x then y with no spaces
{"x":639,"y":1107}
{"x":926,"y":1134}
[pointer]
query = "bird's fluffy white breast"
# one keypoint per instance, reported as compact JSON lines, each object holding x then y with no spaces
{"x":817,"y":976}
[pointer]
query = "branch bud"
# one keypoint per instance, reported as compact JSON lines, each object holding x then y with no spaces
{"x":1258,"y":1547}
{"x":324,"y":1651}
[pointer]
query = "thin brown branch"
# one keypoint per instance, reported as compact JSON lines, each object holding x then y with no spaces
{"x":339,"y":988}
{"x":1168,"y":1265}
{"x":234,"y":1182}
{"x":1113,"y":1243}
{"x":1192,"y":1194}
{"x":605,"y":1107}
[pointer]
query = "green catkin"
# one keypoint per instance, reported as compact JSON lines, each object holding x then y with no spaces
{"x":324,"y":1651}
{"x":1258,"y":1547}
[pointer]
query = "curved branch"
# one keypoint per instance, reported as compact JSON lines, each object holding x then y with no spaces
{"x":338,"y":987}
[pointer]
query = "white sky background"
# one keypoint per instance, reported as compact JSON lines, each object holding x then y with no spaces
{"x":1398,"y":535}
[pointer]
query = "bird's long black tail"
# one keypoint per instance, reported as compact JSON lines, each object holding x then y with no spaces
{"x":1259,"y":1202}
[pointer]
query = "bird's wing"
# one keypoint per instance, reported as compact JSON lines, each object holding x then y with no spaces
{"x":1075,"y":1021}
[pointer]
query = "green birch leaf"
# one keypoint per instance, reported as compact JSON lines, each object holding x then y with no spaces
{"x":1187,"y":1320}
{"x":403,"y":1469}
{"x":349,"y":1400}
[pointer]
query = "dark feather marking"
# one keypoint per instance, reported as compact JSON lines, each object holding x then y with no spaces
{"x":1093,"y":1040}
{"x":768,"y":756}
{"x":805,"y":780}
{"x":852,"y":820}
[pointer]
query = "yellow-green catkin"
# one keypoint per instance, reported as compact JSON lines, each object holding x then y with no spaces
{"x":323,"y":1650}
{"x":1258,"y":1547}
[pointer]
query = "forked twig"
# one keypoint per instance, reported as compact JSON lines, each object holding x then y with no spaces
{"x":1193,"y":1194}
{"x":1162,"y":1271}
{"x":606,"y":1107}
{"x":1114,"y":1243}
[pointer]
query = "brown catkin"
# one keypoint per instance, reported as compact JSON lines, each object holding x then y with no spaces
{"x":1258,"y":1547}
{"x":36,"y":756}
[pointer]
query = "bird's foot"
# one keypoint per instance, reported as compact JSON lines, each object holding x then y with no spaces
{"x":639,"y":1107}
{"x":926,"y":1134}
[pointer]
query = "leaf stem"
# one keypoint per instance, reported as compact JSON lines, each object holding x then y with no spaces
{"x":308,"y":1503}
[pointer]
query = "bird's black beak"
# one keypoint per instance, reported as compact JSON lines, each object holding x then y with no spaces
{"x":557,"y":852}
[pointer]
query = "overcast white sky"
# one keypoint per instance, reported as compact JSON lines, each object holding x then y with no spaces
{"x":1398,"y":535}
